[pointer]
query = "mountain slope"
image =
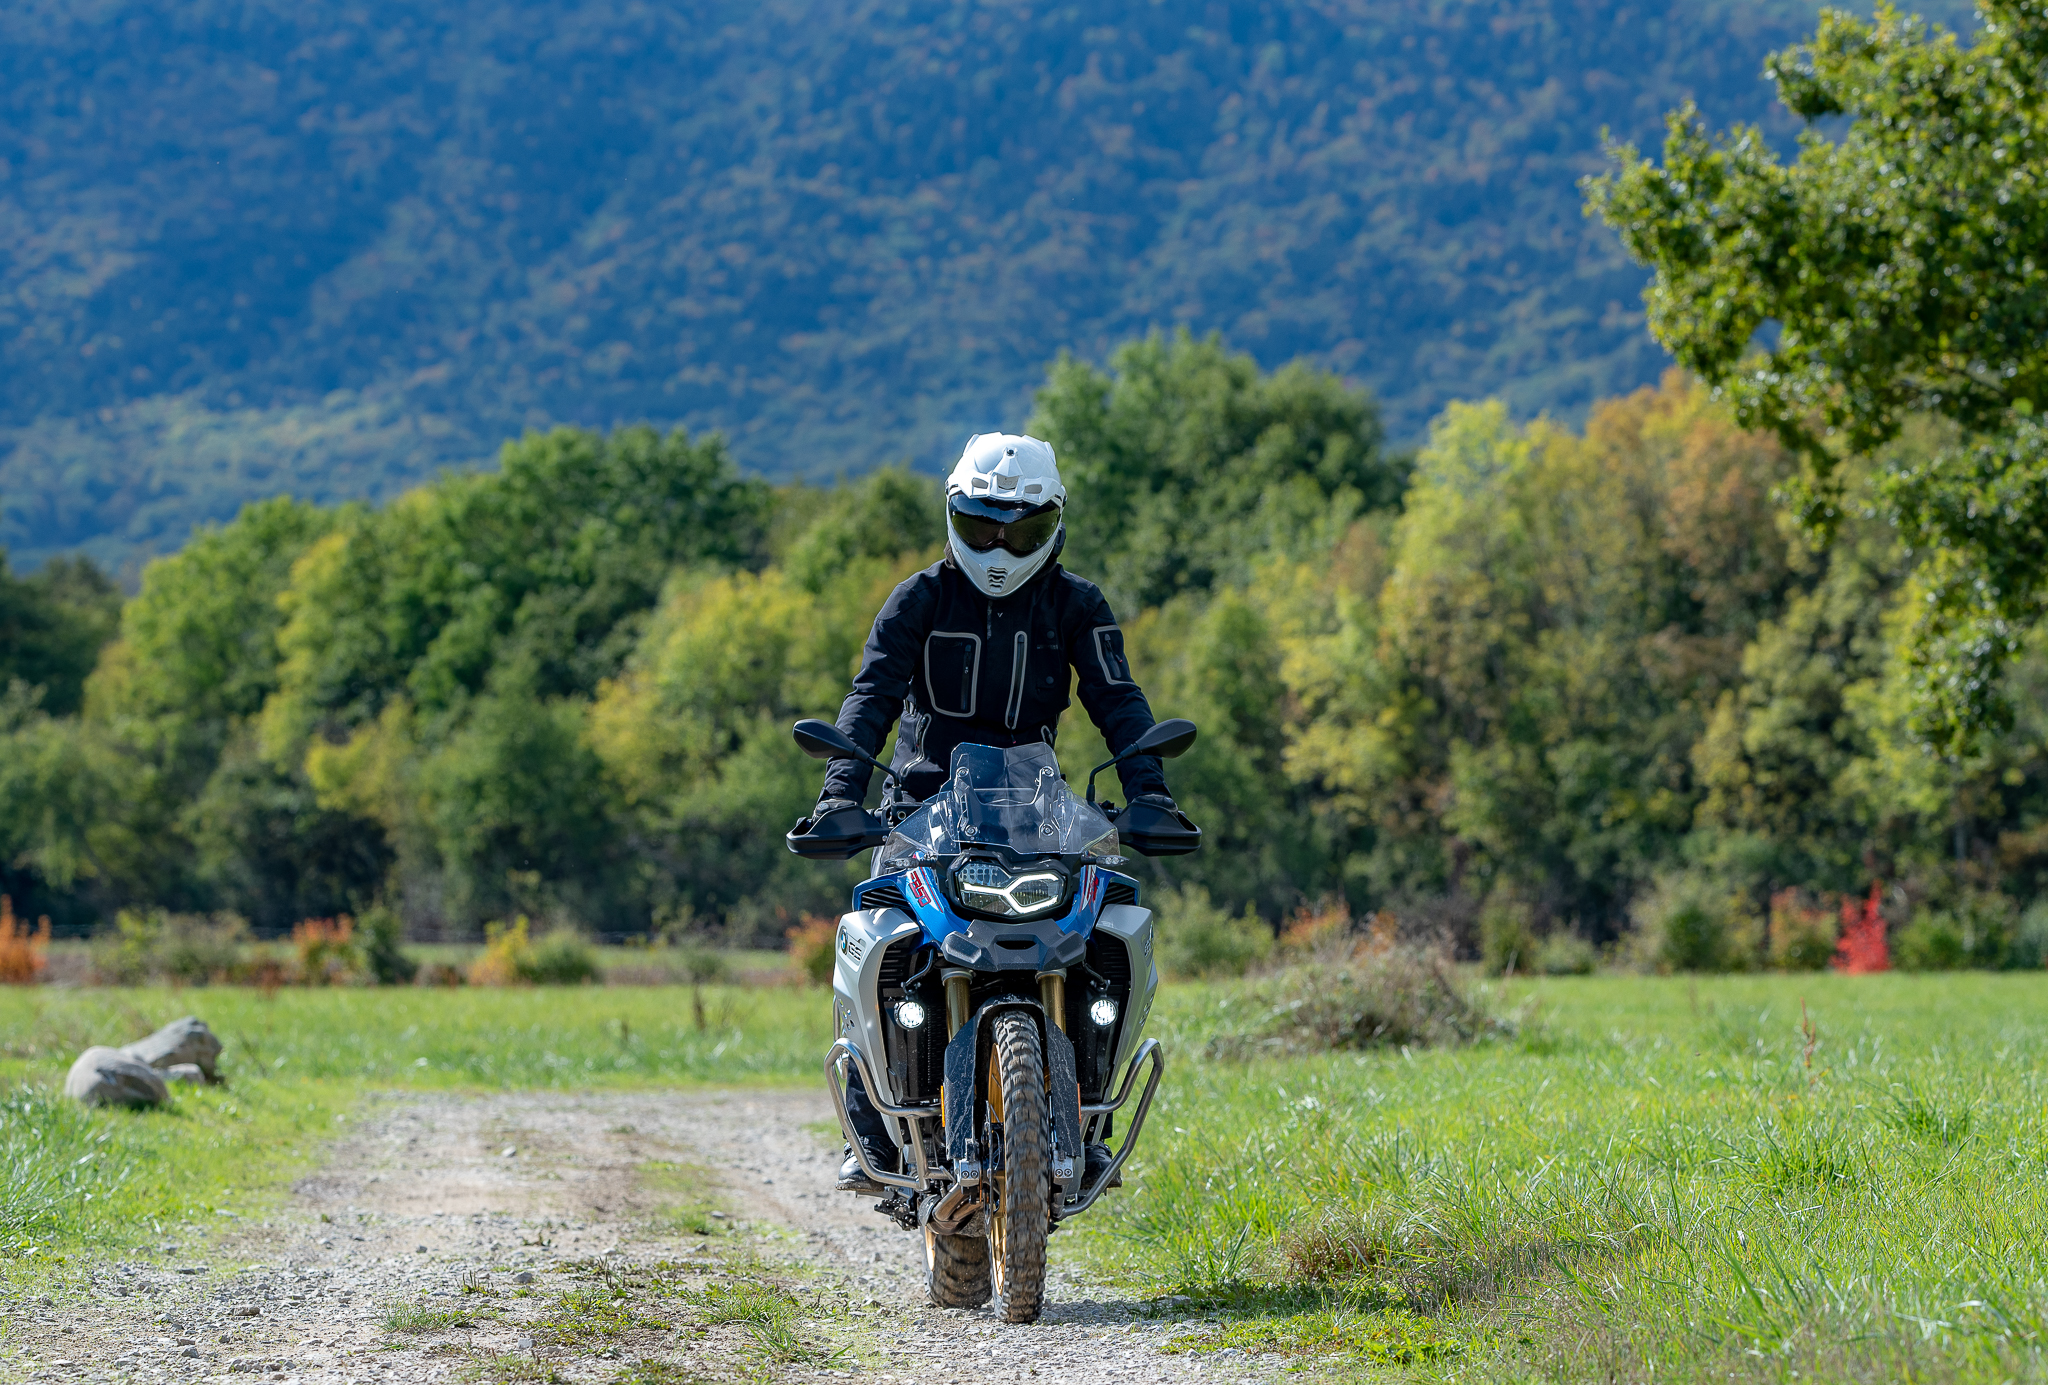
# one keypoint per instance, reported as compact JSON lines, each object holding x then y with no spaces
{"x":327,"y":248}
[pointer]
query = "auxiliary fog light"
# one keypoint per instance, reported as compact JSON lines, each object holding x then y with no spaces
{"x":910,"y":1015}
{"x":1103,"y":1011}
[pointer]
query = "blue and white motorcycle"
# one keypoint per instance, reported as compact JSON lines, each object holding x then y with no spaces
{"x":990,"y":985}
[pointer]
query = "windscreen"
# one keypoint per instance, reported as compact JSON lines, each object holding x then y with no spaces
{"x":1012,"y":798}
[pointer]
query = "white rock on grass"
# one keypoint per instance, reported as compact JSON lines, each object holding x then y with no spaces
{"x":180,"y":1042}
{"x":185,"y":1072}
{"x":105,"y":1076}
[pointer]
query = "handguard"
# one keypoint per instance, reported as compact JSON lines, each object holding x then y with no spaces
{"x":837,"y":835}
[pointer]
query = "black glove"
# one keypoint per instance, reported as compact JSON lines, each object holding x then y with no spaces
{"x":831,"y":805}
{"x":1157,"y":800}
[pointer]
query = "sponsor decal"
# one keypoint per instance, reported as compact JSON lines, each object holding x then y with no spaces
{"x":921,"y":891}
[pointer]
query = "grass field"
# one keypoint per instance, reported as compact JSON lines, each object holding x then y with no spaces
{"x":1659,"y":1178}
{"x":1816,"y":1177}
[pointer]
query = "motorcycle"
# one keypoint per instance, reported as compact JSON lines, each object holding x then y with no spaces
{"x":994,"y":907}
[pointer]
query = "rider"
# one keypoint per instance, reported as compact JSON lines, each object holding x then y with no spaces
{"x":976,"y":650}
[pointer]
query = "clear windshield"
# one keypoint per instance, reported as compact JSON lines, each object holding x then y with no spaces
{"x":1011,"y":798}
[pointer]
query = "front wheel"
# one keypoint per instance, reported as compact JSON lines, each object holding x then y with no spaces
{"x":1021,"y":1216}
{"x":955,"y":1270}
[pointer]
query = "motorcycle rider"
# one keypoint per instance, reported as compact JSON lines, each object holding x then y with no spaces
{"x":978,"y":649}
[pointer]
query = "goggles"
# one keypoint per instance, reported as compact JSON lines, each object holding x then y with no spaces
{"x":984,"y":525}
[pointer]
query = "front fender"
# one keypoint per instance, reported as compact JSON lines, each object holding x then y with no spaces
{"x":967,"y":1061}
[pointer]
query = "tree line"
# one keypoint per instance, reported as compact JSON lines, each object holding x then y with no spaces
{"x":1526,"y":681}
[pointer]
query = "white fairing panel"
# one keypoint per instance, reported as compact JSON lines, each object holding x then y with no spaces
{"x":1133,"y":926}
{"x":856,"y":984}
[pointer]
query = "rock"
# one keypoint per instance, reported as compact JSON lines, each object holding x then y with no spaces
{"x":185,"y":1072}
{"x":108,"y":1077}
{"x":181,"y":1041}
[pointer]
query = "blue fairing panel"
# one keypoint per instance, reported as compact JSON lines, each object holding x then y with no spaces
{"x":919,"y":889}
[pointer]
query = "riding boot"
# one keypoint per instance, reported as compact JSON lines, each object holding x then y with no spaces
{"x":872,"y":1130}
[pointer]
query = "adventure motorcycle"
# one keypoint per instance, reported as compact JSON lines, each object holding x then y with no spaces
{"x":995,"y":907}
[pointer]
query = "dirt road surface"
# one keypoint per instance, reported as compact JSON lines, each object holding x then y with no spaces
{"x":641,"y":1238}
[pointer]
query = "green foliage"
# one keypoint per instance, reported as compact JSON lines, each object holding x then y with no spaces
{"x":52,"y":626}
{"x":381,"y":931}
{"x":1892,"y":261}
{"x":1695,"y":921}
{"x":1196,"y":938}
{"x":1184,"y":463}
{"x":807,"y":224}
{"x":156,"y":945}
{"x":1565,"y":667}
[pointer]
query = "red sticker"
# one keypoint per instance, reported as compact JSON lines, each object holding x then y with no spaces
{"x":918,"y":888}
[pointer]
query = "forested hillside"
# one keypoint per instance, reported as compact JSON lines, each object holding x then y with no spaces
{"x":1539,"y":684}
{"x":249,"y":248}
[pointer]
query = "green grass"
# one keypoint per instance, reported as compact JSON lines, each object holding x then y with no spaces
{"x":1660,"y":1178}
{"x":414,"y":1036}
{"x":296,"y":1063}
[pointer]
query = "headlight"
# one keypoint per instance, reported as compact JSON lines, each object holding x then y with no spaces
{"x":991,"y":889}
{"x":1103,"y":1012}
{"x":910,"y":1015}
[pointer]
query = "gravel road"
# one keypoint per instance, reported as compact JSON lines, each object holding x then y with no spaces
{"x":646,"y":1238}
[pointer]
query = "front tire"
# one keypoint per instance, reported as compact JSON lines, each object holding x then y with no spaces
{"x":1021,"y":1216}
{"x":955,"y":1270}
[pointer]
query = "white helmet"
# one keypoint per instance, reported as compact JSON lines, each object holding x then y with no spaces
{"x":1004,"y":510}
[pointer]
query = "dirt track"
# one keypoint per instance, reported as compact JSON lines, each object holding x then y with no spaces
{"x":648,"y":1227}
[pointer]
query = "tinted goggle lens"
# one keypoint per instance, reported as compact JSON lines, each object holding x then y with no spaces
{"x":982,"y":526}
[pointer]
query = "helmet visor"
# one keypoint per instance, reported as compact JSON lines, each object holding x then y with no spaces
{"x":984,"y":525}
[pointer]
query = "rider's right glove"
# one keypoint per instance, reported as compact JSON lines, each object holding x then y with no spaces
{"x":831,"y":805}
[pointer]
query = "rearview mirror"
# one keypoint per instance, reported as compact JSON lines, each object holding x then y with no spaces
{"x":821,"y":740}
{"x":1167,"y":738}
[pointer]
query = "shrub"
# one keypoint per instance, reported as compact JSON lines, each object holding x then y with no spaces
{"x":1931,"y":942}
{"x":382,"y":932}
{"x":1364,"y":993}
{"x":562,"y":958}
{"x":810,"y":948}
{"x":327,"y":951}
{"x":1566,"y":954}
{"x":507,"y":955}
{"x":1695,"y":921}
{"x":23,"y":955}
{"x":154,"y":944}
{"x":2029,"y":950}
{"x":1311,"y":930}
{"x":1802,"y":935}
{"x":1507,"y":933}
{"x":1980,"y":931}
{"x":511,"y":957}
{"x":1197,"y":939}
{"x":1862,"y":946}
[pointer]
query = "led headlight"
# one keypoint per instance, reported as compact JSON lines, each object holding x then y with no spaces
{"x":988,"y":887}
{"x":1103,"y":1012}
{"x":910,"y":1015}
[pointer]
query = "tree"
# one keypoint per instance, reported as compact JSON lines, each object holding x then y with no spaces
{"x":1185,"y":462}
{"x":52,"y":625}
{"x":1901,"y":266}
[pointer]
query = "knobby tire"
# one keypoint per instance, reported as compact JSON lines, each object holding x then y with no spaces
{"x":1022,"y":1218}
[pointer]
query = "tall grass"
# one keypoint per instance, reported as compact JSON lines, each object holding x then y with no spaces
{"x":1672,"y":1179}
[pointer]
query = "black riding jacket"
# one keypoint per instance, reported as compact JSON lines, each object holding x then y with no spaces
{"x":962,"y":669}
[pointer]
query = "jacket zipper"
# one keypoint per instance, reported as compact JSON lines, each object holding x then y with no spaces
{"x":1017,"y":663}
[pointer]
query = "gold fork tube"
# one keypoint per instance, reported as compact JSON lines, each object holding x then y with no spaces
{"x":956,"y":998}
{"x":1052,"y":994}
